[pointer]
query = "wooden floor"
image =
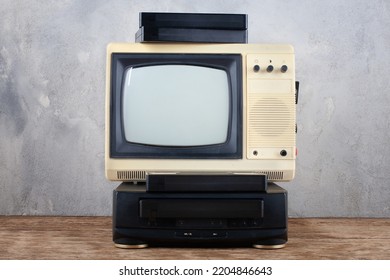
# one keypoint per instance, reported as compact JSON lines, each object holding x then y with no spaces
{"x":90,"y":238}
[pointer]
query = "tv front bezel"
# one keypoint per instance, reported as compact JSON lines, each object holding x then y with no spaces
{"x":230,"y":149}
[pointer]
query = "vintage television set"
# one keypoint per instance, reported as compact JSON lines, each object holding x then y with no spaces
{"x":191,"y":108}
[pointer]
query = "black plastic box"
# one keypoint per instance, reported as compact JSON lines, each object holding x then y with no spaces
{"x":142,"y":219}
{"x":191,"y":27}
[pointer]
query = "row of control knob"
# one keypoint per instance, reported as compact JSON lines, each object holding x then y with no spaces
{"x":270,"y":68}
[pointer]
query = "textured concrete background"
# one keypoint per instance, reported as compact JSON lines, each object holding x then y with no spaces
{"x":52,"y":63}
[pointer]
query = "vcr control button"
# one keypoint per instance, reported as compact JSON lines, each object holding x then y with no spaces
{"x":270,"y":68}
{"x":216,"y":234}
{"x":185,"y":234}
{"x":283,"y":69}
{"x":256,"y":68}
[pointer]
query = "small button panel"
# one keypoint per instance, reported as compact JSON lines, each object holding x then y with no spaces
{"x":272,"y":63}
{"x":201,"y":234}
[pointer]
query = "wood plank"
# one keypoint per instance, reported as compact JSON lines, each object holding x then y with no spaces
{"x":27,"y":237}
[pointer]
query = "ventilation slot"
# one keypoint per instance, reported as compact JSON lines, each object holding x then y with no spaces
{"x":131,"y":175}
{"x":273,"y":175}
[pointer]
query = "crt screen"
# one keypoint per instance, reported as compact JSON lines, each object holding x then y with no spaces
{"x":175,"y":105}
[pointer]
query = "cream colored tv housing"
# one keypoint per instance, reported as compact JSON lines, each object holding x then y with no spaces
{"x":268,"y":114}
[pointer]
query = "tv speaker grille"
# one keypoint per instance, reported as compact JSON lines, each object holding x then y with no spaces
{"x":271,"y":122}
{"x":131,"y":175}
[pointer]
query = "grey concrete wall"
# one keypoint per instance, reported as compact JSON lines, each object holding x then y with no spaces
{"x":52,"y":80}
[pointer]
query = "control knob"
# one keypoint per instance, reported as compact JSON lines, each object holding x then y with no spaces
{"x":283,"y":69}
{"x":270,"y":68}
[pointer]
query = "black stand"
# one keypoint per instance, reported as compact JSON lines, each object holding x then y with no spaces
{"x":242,"y":218}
